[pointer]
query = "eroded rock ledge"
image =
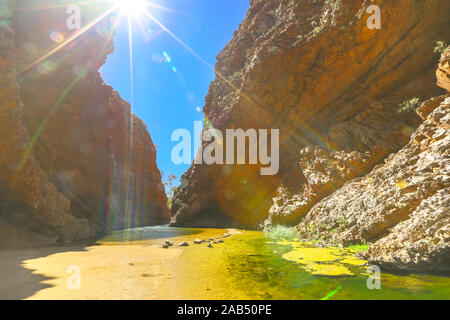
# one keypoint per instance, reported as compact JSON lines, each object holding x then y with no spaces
{"x":403,"y":205}
{"x":71,"y":148}
{"x":343,"y":97}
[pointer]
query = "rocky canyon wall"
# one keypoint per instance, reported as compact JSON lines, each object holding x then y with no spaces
{"x":75,"y":162}
{"x":343,"y":96}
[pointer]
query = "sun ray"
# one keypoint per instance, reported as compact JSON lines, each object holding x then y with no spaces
{"x":138,"y":19}
{"x":109,"y":37}
{"x":141,"y":25}
{"x":131,"y":6}
{"x":150,"y":4}
{"x":69,"y":40}
{"x":135,"y":8}
{"x":197,"y":55}
{"x":130,"y":125}
{"x":130,"y":52}
{"x":222,"y":77}
{"x":300,"y":139}
{"x":44,"y":122}
{"x":59,"y":5}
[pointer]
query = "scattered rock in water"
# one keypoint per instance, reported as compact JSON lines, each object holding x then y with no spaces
{"x":198,"y":241}
{"x":184,"y":244}
{"x":169,"y":243}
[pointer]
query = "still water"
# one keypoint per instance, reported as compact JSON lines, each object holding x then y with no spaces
{"x":248,"y":266}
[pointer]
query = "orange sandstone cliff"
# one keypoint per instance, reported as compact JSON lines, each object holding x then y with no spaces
{"x":343,"y":96}
{"x":74,"y":162}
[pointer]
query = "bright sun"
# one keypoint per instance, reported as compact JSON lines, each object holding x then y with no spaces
{"x":131,"y":6}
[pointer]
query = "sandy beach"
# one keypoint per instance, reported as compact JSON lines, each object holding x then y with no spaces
{"x":136,"y":270}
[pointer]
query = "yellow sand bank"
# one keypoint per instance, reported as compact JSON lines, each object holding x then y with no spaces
{"x":138,"y":270}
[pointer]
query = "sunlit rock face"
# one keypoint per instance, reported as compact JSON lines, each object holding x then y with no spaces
{"x":443,"y":72}
{"x":403,"y":205}
{"x":75,"y":161}
{"x":335,"y":89}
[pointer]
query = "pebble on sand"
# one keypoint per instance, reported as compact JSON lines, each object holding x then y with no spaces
{"x":183,"y":244}
{"x":197,"y":241}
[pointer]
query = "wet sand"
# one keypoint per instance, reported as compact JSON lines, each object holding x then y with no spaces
{"x":137,"y":270}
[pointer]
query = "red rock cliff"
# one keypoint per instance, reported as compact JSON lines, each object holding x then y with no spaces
{"x":75,"y":161}
{"x":343,"y":96}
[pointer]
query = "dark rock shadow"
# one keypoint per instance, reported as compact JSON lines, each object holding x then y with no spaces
{"x":18,"y":282}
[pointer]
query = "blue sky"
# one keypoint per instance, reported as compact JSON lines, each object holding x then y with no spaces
{"x":170,"y":83}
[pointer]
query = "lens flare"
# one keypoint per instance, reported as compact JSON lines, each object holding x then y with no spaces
{"x":131,"y":6}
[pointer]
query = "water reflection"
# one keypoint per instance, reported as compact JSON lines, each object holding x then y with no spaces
{"x":260,"y":270}
{"x":149,"y":233}
{"x":247,"y":266}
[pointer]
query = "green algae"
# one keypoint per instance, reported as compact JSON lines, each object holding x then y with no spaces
{"x":359,"y":247}
{"x":354,"y":261}
{"x":329,"y":261}
{"x":247,"y":266}
{"x":305,"y":254}
{"x":330,"y":270}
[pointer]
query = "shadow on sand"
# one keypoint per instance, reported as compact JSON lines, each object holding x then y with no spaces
{"x":18,"y":282}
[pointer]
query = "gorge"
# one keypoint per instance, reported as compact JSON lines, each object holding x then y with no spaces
{"x":361,"y":114}
{"x":76,"y":163}
{"x":337,"y":90}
